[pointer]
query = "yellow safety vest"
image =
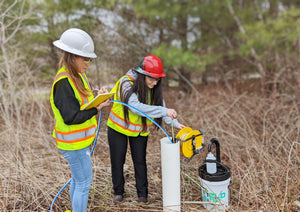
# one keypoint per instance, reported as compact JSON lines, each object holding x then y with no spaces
{"x":76,"y":136}
{"x":116,"y":119}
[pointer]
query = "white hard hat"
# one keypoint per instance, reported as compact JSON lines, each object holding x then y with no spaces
{"x":76,"y":41}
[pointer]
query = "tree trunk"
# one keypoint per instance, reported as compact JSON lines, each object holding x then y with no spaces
{"x":185,"y":80}
{"x":242,"y":30}
{"x":273,"y":11}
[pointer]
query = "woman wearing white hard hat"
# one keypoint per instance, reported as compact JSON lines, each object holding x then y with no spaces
{"x":75,"y":128}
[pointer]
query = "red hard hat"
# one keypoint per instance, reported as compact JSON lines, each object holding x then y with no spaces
{"x":151,"y":66}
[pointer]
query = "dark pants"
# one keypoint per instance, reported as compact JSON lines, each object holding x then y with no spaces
{"x":118,"y":148}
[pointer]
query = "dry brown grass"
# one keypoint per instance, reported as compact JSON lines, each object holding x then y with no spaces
{"x":259,"y":140}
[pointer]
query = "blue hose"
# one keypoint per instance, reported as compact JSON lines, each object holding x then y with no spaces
{"x":95,"y":141}
{"x":145,"y":116}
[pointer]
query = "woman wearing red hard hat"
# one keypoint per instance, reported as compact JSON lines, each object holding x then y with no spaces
{"x":141,"y":88}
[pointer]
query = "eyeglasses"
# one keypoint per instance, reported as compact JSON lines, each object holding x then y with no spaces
{"x":153,"y":79}
{"x":87,"y":60}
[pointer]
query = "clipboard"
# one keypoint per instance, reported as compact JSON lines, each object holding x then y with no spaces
{"x":98,"y":100}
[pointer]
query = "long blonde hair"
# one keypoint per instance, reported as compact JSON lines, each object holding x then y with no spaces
{"x":67,"y":61}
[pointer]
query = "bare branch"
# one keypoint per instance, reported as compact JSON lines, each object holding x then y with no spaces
{"x":189,"y":83}
{"x":20,"y":19}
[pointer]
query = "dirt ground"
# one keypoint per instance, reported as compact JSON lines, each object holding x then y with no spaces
{"x":259,"y":142}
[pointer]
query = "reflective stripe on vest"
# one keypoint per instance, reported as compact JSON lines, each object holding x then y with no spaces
{"x":116,"y":119}
{"x":77,"y":136}
{"x":129,"y":126}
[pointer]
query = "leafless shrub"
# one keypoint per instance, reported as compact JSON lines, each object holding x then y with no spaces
{"x":259,"y":140}
{"x":22,"y":118}
{"x":258,"y":137}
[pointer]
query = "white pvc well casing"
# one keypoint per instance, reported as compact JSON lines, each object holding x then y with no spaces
{"x":170,"y":168}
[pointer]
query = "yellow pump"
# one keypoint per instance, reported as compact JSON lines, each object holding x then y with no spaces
{"x":191,"y":141}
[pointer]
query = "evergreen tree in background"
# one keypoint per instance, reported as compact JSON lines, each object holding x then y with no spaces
{"x":224,"y":39}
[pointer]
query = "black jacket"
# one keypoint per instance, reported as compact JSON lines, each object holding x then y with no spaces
{"x":68,"y":105}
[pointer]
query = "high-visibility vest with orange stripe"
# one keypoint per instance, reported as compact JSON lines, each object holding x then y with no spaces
{"x":116,"y":118}
{"x":76,"y":136}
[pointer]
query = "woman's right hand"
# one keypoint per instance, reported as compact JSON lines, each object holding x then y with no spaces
{"x":172,"y":113}
{"x":102,"y":90}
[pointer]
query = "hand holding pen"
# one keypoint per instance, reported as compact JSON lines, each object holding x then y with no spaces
{"x":101,"y":91}
{"x":103,"y":104}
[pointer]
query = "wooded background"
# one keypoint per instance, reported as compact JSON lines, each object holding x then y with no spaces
{"x":230,"y":61}
{"x":223,"y":39}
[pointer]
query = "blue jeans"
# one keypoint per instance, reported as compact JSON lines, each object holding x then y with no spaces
{"x":82,"y":175}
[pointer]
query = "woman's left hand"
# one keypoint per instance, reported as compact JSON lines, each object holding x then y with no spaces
{"x":103,"y":104}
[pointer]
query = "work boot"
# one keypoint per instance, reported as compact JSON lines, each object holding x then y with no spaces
{"x":143,"y":200}
{"x":118,"y":198}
